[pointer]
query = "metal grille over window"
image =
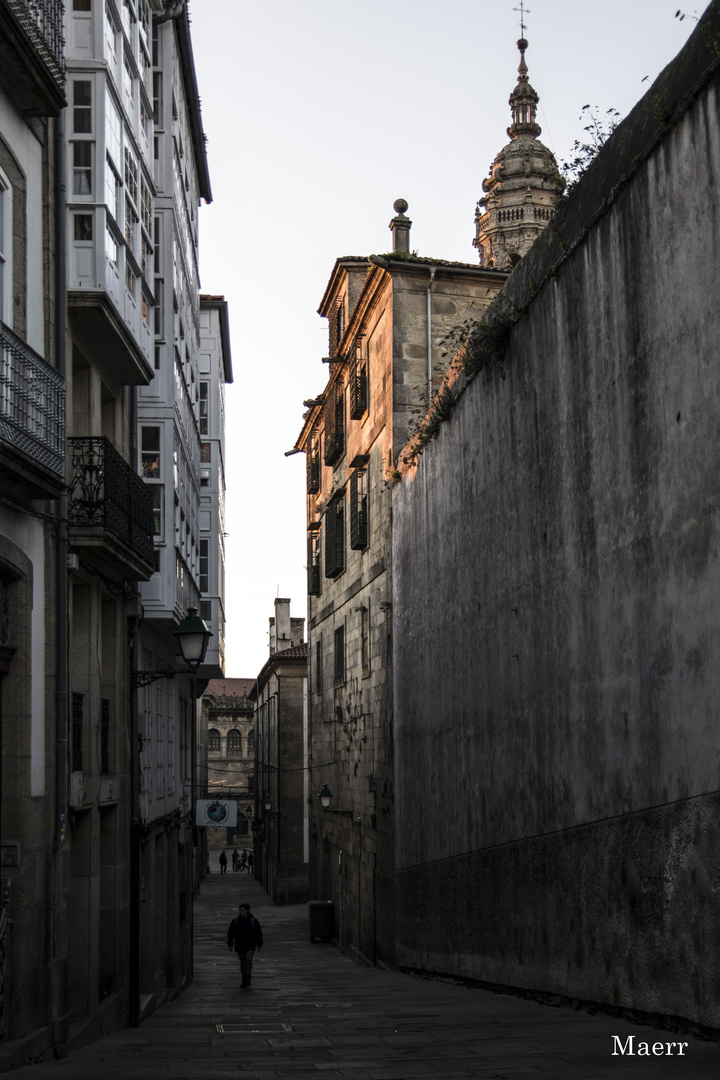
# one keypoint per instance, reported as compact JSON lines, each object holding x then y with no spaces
{"x":314,"y":582}
{"x":340,"y":654}
{"x":77,"y":732}
{"x":358,"y":381}
{"x":358,"y":509}
{"x":335,"y":537}
{"x":334,"y":424}
{"x":312,"y":464}
{"x":105,"y":736}
{"x":336,"y":328}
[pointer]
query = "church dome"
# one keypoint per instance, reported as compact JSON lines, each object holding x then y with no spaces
{"x":523,"y":184}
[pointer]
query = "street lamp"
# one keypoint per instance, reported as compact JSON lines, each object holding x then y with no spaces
{"x":267,"y":804}
{"x":325,"y":796}
{"x":193,"y":638}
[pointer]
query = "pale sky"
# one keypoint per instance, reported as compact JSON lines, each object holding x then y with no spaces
{"x":319,"y":114}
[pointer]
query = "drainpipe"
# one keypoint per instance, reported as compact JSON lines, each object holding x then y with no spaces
{"x":61,"y":549}
{"x":433,"y":270}
{"x":135,"y":824}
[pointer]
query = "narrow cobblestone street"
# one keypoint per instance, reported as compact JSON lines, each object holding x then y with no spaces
{"x":313,"y":1013}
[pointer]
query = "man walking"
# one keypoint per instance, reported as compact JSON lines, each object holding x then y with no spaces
{"x":245,"y":937}
{"x":223,"y":862}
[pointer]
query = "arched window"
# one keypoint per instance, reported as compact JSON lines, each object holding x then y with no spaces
{"x":234,"y":741}
{"x":251,"y":742}
{"x":213,"y":739}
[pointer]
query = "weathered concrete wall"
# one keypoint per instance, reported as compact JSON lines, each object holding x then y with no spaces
{"x":556,"y":586}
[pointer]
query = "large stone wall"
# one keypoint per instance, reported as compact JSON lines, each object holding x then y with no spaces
{"x":556,"y":587}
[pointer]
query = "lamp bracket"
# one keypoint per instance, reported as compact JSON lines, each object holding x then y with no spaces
{"x":145,"y":678}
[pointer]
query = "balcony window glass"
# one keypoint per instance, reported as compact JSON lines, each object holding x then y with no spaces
{"x":82,"y":5}
{"x":213,"y":740}
{"x":82,"y":168}
{"x":204,"y":565}
{"x":112,"y":192}
{"x":111,"y":248}
{"x":234,"y":741}
{"x":204,"y":408}
{"x":110,"y":39}
{"x":157,"y":498}
{"x":113,"y":132}
{"x":83,"y":227}
{"x":82,"y":107}
{"x":150,"y":453}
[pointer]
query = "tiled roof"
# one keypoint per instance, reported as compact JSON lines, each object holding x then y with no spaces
{"x":230,"y":688}
{"x":287,"y":654}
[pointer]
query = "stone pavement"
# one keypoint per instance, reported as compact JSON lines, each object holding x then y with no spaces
{"x":313,"y":1013}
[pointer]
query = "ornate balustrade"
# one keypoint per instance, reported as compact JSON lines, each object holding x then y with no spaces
{"x":32,"y":405}
{"x":106,"y":495}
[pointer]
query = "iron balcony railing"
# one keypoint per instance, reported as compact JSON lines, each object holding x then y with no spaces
{"x":105,"y":492}
{"x":32,"y":404}
{"x":42,"y":21}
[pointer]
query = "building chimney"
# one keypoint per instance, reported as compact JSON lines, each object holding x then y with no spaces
{"x":400,"y":227}
{"x":282,"y":625}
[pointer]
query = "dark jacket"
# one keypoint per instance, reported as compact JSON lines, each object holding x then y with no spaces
{"x":245,"y":934}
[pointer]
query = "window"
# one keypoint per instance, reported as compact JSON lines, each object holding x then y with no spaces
{"x":314,"y":582}
{"x":365,"y":638}
{"x":82,"y":107}
{"x":340,"y":654}
{"x":204,"y":566}
{"x":336,"y":327}
{"x":358,"y":381}
{"x":150,"y":453}
{"x":334,"y":416}
{"x":82,"y":168}
{"x":206,"y":453}
{"x":5,"y":256}
{"x":213,"y":739}
{"x":318,"y":666}
{"x":204,"y":388}
{"x":83,"y":226}
{"x":335,"y":536}
{"x":105,"y":736}
{"x":312,"y":464}
{"x":358,"y":509}
{"x":77,"y":732}
{"x":82,"y":5}
{"x":234,"y":741}
{"x":157,"y":491}
{"x":110,"y":39}
{"x":250,"y":745}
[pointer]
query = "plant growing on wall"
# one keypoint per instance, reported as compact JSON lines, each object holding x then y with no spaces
{"x":599,"y":129}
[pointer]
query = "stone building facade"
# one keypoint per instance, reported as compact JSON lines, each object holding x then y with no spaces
{"x":564,"y":718}
{"x":228,"y":731}
{"x":388,"y":317}
{"x":282,"y":785}
{"x":33,"y":552}
{"x":97,"y":259}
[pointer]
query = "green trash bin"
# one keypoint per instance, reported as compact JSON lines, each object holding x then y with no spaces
{"x":321,"y":919}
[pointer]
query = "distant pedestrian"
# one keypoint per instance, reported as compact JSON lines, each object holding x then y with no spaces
{"x":223,"y":862}
{"x":246,"y":938}
{"x":251,"y":860}
{"x":243,"y":860}
{"x":235,"y":859}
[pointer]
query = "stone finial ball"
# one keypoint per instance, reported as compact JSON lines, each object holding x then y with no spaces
{"x":400,"y":206}
{"x":522,"y":44}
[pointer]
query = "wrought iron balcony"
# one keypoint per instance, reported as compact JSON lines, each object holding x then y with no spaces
{"x":110,"y":511}
{"x":32,"y":54}
{"x":32,"y":421}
